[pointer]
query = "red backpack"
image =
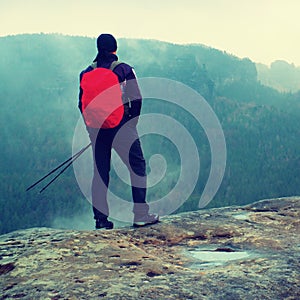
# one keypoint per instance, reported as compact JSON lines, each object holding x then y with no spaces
{"x":102,"y":105}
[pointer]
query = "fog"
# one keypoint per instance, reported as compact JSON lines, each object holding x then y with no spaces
{"x":258,"y":109}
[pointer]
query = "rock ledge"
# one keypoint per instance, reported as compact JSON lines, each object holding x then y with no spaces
{"x":249,"y":252}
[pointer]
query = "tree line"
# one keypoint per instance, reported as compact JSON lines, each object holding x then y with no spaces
{"x":39,"y":92}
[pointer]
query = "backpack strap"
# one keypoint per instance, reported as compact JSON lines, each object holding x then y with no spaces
{"x":94,"y":65}
{"x":114,"y":64}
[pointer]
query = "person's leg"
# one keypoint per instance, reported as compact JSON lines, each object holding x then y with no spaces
{"x":101,"y":142}
{"x":139,"y":182}
{"x":127,"y":145}
{"x":138,"y":178}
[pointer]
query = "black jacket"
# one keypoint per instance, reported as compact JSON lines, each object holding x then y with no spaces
{"x":125,"y":75}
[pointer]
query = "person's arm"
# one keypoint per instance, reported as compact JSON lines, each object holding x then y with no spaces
{"x":134,"y":95}
{"x":80,"y":89}
{"x":80,"y":93}
{"x":79,"y":102}
{"x":132,"y":92}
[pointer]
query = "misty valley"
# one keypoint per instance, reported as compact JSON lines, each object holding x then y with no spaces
{"x":258,"y":108}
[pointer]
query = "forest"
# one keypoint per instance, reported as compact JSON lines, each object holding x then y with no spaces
{"x":39,"y":78}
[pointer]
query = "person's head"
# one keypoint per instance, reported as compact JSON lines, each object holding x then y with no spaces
{"x":106,"y":44}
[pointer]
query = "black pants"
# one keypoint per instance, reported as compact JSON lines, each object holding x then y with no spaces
{"x":125,"y":141}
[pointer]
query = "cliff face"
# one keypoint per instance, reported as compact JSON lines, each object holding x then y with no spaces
{"x":249,"y":252}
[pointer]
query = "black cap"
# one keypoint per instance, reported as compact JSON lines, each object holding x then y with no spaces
{"x":106,"y":43}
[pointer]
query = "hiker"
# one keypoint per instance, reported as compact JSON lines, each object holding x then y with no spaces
{"x":126,"y":142}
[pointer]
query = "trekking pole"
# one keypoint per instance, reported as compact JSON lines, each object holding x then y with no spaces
{"x":65,"y":168}
{"x":69,"y":161}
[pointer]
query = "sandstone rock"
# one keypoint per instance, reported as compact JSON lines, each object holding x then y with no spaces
{"x":249,"y":252}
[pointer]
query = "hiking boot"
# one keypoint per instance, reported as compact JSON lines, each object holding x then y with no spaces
{"x":104,"y":224}
{"x":144,"y":220}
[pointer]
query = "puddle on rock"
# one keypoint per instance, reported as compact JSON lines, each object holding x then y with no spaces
{"x":243,"y":216}
{"x":213,"y":255}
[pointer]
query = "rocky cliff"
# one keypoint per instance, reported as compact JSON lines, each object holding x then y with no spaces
{"x":249,"y":252}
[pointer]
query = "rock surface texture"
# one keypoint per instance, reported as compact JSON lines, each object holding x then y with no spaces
{"x":248,"y":252}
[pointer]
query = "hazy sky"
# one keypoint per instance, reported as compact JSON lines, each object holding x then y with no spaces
{"x":263,"y":30}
